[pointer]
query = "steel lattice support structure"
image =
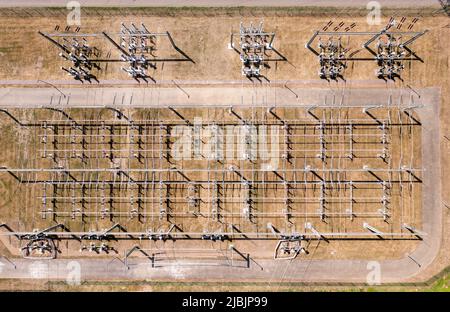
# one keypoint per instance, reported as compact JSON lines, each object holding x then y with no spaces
{"x":391,"y":50}
{"x":332,"y":176}
{"x":255,"y":49}
{"x":137,"y":47}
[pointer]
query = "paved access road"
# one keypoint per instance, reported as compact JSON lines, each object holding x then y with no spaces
{"x":218,"y":3}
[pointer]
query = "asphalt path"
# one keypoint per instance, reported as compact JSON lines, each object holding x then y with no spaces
{"x":219,"y":3}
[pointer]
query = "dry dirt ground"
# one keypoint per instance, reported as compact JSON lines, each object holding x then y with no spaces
{"x":204,"y":35}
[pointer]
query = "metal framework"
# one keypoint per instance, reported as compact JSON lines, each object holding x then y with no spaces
{"x":188,"y":257}
{"x":255,"y":49}
{"x":391,"y":50}
{"x":138,"y":48}
{"x":343,"y":172}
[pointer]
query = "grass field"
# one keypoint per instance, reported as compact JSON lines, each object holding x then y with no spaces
{"x":440,"y":285}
